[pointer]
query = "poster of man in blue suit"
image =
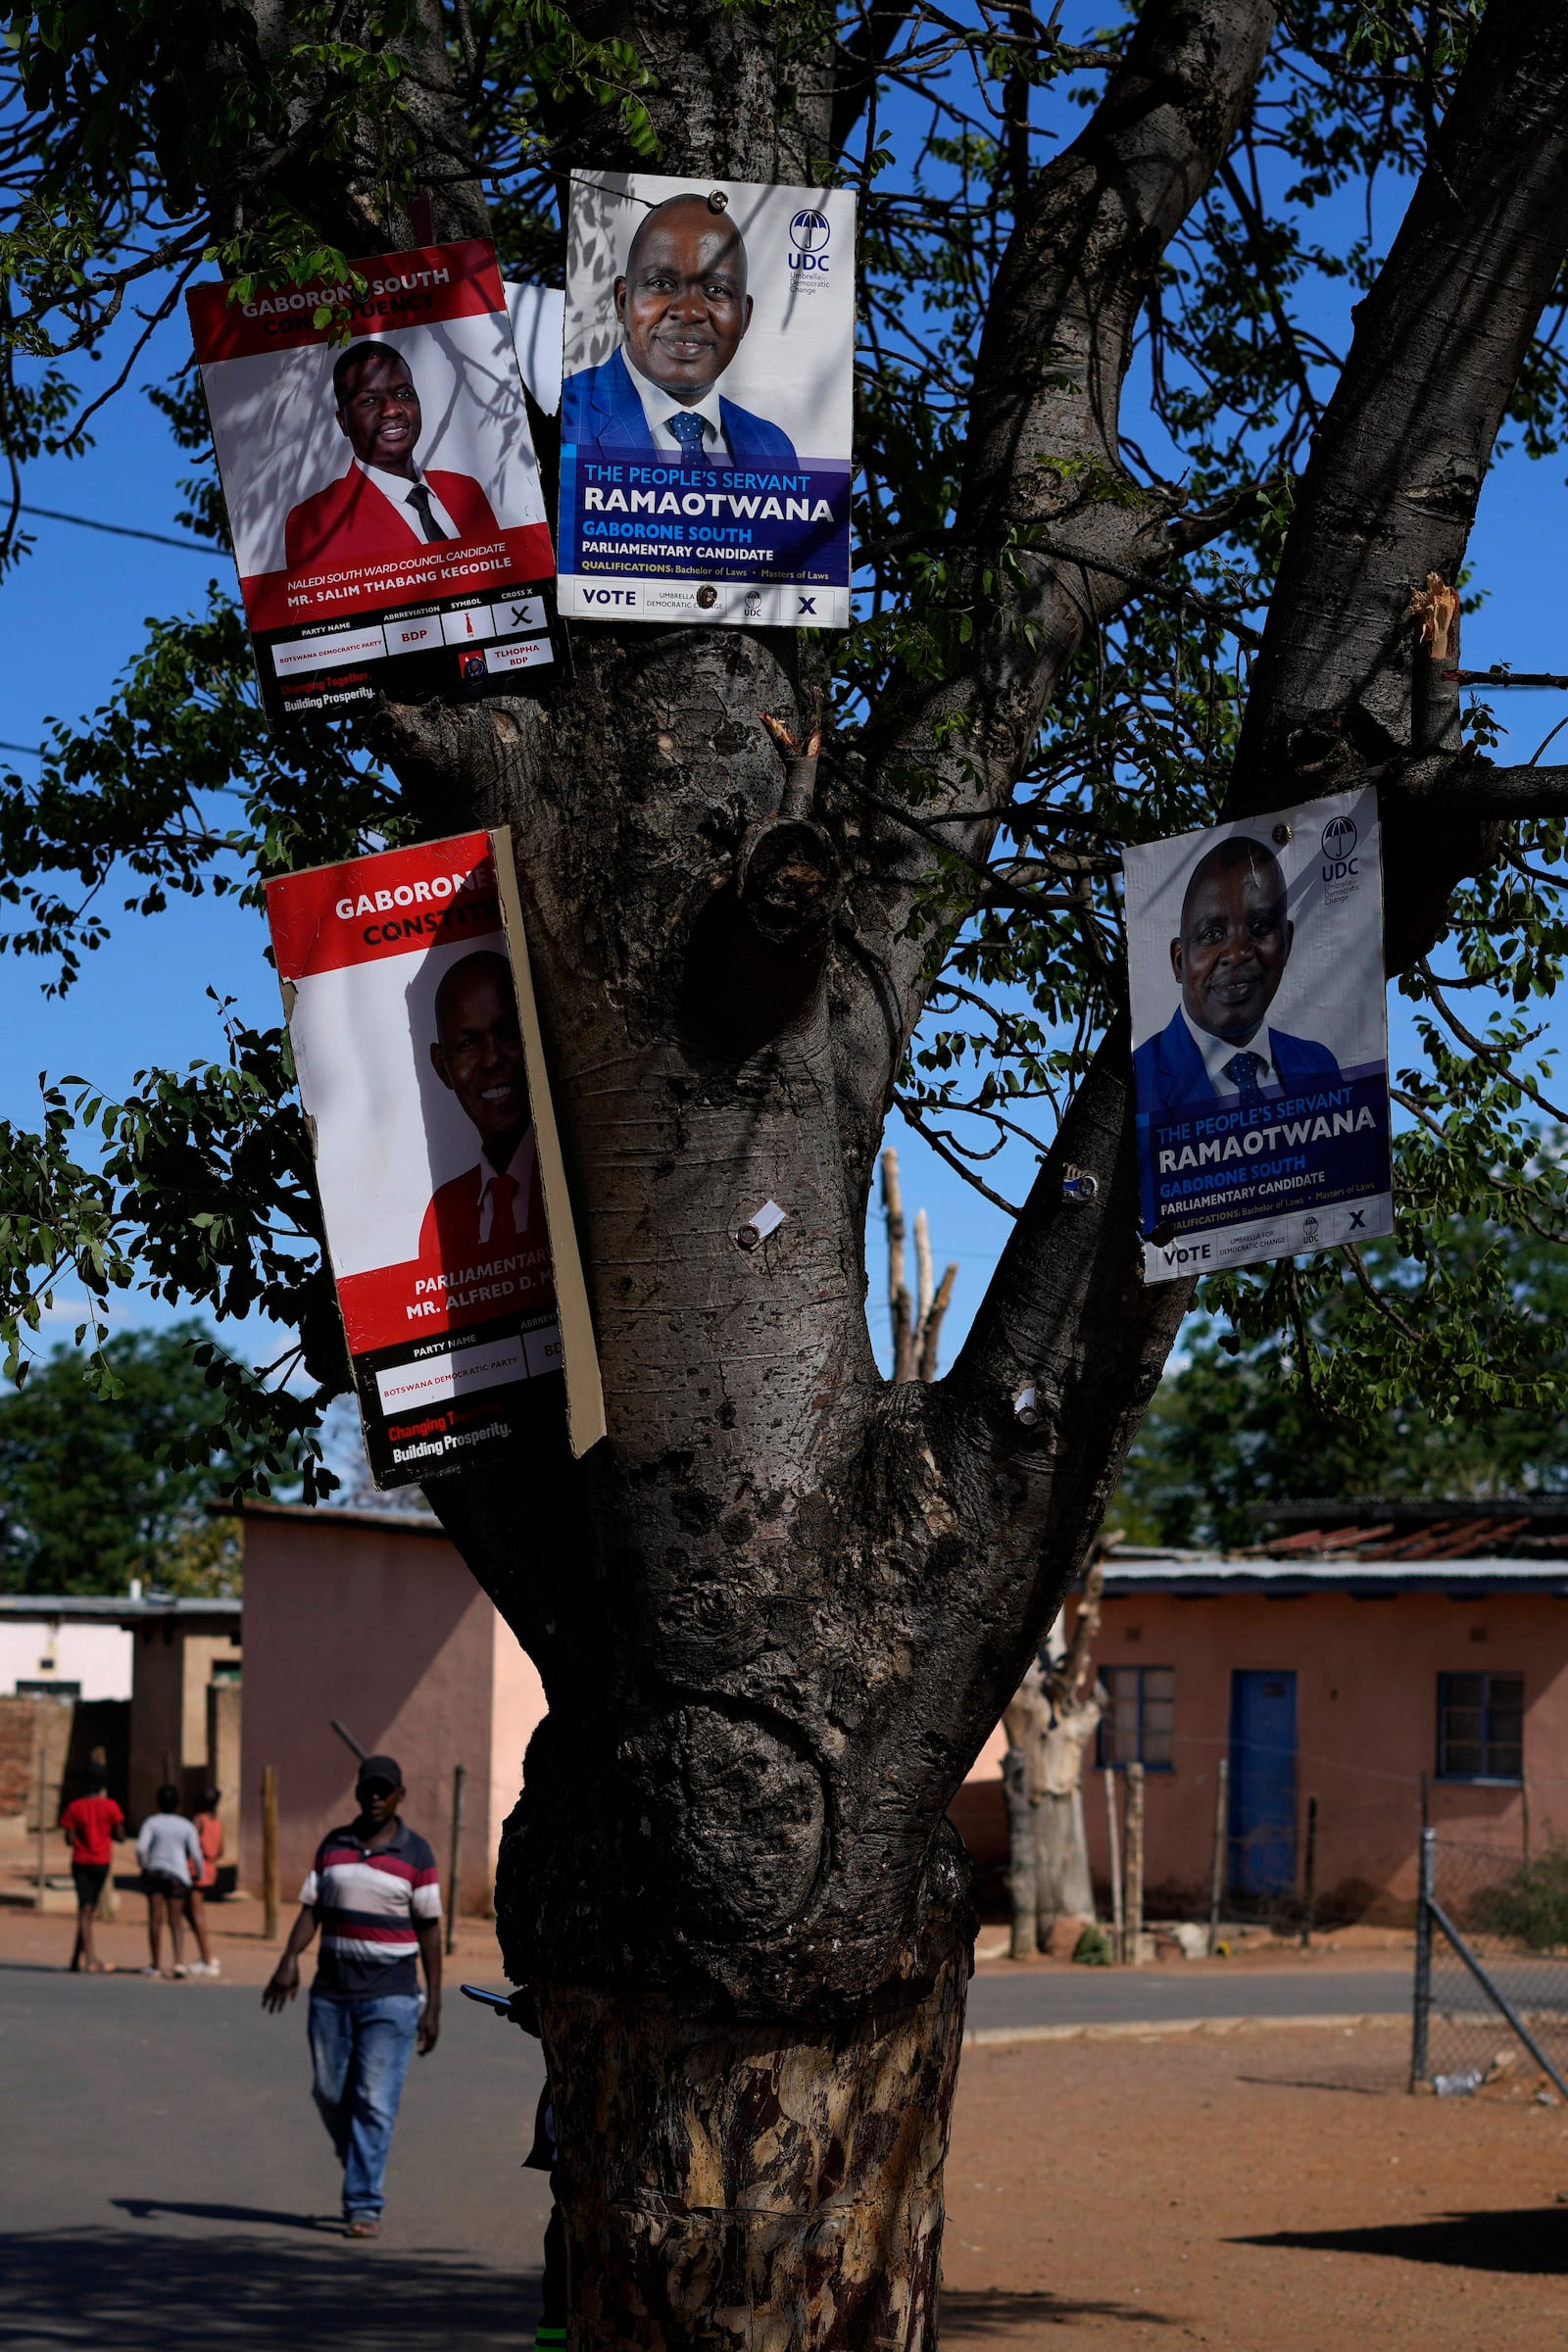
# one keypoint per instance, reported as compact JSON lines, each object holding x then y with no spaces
{"x":1262,"y":1092}
{"x":705,"y":403}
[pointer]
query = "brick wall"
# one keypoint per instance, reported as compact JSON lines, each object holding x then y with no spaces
{"x":24,"y":1723}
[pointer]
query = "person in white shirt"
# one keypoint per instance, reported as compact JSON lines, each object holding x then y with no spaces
{"x":171,"y":1856}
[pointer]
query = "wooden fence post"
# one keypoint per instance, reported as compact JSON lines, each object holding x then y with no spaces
{"x":1135,"y":1864}
{"x":1118,"y":1943}
{"x":269,"y":1852}
{"x":1216,"y":1876}
{"x":458,"y":1775}
{"x":43,"y":1822}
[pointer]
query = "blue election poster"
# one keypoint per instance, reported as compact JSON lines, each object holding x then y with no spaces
{"x":1260,"y":1053}
{"x":707,"y":402}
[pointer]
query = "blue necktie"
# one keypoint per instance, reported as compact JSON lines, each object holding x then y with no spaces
{"x":690,"y":432}
{"x":1246,"y":1069}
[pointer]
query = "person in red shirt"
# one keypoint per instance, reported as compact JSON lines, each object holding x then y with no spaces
{"x":93,"y":1825}
{"x":210,"y":1833}
{"x":386,"y":506}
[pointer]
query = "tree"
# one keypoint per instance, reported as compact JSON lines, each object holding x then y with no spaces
{"x":1050,"y":1721}
{"x":778,"y":1610}
{"x":87,"y":1496}
{"x":1227,"y":1434}
{"x":918,"y":1324}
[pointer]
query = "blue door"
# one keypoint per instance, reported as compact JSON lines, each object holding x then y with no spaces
{"x":1262,"y":1803}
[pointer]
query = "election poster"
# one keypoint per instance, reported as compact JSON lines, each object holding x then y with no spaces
{"x":705,"y":403}
{"x":383,"y":497}
{"x":1260,"y":1037}
{"x":412,"y":1016}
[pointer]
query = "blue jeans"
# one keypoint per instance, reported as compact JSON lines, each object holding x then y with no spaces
{"x":359,"y":2051}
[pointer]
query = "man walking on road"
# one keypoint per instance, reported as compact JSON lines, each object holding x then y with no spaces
{"x":373,"y":1892}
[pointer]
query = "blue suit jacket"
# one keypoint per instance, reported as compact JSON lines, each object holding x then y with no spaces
{"x":1172,"y":1075}
{"x":600,"y":405}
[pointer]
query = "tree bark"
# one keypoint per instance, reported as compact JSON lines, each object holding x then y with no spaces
{"x":1021,"y":1793}
{"x":1050,"y":1721}
{"x":1066,"y":1889}
{"x":753,"y":2188}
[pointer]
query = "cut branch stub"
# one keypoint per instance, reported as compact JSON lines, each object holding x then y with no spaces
{"x":1434,"y":680}
{"x":788,"y":870}
{"x":789,"y":882}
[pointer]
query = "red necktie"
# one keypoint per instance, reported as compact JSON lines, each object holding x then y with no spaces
{"x":502,"y":1191}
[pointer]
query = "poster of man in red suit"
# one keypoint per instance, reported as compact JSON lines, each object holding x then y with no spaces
{"x":495,"y":1209}
{"x":386,"y":505}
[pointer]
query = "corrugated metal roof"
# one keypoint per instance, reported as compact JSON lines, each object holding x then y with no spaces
{"x":1194,"y":1573}
{"x":117,"y":1607}
{"x":416,"y":1522}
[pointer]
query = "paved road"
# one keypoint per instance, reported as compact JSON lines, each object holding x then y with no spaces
{"x":160,"y":2164}
{"x":1094,"y":1996}
{"x":1145,"y":1996}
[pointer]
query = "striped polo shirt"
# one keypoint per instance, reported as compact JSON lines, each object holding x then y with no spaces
{"x":367,"y":1899}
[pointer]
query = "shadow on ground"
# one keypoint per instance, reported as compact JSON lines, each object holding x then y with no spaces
{"x":142,"y":2208}
{"x":996,"y":2311}
{"x":1530,"y":2242}
{"x":150,"y":2291}
{"x":1359,"y":2091}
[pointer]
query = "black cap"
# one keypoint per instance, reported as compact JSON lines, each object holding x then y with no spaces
{"x":380,"y":1768}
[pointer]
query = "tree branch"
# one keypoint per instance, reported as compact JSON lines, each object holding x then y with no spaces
{"x":1043,"y":462}
{"x":1390,"y":494}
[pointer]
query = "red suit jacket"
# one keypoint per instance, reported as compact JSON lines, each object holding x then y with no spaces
{"x":352,"y":521}
{"x":450,"y":1234}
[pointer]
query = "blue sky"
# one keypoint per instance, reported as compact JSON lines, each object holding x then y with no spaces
{"x":74,"y":614}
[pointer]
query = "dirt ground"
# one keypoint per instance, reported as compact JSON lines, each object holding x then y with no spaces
{"x":1262,"y":2189}
{"x":1265,"y":2190}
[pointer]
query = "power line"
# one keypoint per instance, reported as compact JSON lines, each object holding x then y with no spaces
{"x":119,"y":531}
{"x":33,"y":751}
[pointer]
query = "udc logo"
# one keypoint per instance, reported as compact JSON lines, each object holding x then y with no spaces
{"x":1340,"y":861}
{"x":809,"y":234}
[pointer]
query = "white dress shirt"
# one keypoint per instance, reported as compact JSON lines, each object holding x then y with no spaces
{"x":396,"y":487}
{"x":1218,"y":1051}
{"x":658,"y":407}
{"x":520,"y":1168}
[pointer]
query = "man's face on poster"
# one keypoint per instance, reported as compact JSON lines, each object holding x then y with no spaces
{"x":682,"y":304}
{"x":1235,"y":941}
{"x":378,"y":408}
{"x":478,"y":1051}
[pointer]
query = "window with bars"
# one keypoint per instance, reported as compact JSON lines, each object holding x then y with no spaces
{"x":1138,"y":1726}
{"x":1481,"y":1727}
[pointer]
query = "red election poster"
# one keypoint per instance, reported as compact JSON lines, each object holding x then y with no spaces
{"x":382,"y":492}
{"x":415,"y":1036}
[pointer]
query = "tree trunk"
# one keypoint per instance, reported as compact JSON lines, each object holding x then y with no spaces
{"x":1025,"y":1856}
{"x":735,"y":2187}
{"x":1067,"y":1890}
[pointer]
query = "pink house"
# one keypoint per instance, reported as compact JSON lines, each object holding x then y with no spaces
{"x":1359,"y":1663}
{"x":372,"y":1617}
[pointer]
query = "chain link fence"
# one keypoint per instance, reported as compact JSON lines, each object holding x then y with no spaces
{"x":1492,"y":1966}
